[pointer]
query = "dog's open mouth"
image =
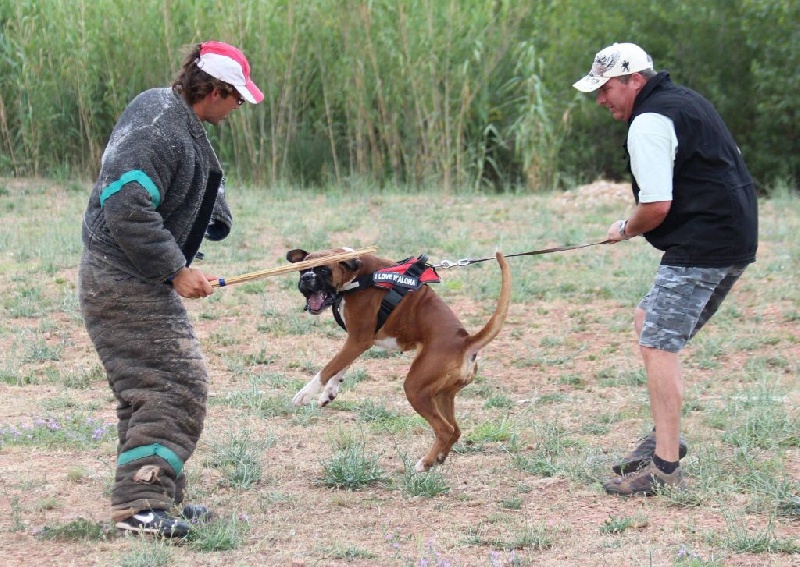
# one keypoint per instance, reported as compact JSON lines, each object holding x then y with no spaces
{"x":318,"y":301}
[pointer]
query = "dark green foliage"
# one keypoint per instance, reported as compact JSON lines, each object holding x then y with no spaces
{"x":452,"y":94}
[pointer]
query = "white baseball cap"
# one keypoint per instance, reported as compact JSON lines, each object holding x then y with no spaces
{"x":226,"y":63}
{"x":614,"y":61}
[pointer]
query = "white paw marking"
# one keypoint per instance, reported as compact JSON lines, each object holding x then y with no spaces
{"x":308,"y":393}
{"x":387,"y":344}
{"x":331,"y":389}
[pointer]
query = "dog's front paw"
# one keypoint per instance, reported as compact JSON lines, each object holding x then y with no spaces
{"x":308,"y":393}
{"x":330,"y":392}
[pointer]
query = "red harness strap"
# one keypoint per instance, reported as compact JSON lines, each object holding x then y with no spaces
{"x":407,"y":275}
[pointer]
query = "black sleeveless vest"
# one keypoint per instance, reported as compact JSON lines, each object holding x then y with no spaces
{"x":713,"y":219}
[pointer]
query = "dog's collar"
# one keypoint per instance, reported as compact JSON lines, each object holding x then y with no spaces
{"x":336,"y":309}
{"x":353,"y":285}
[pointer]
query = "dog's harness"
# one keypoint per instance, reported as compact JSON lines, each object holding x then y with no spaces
{"x":407,"y":275}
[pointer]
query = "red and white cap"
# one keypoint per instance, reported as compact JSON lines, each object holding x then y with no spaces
{"x":226,"y":63}
{"x":614,"y":61}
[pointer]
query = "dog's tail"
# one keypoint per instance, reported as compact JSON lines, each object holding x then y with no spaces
{"x":498,"y":318}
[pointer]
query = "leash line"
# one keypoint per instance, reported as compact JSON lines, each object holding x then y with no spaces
{"x":446,"y":264}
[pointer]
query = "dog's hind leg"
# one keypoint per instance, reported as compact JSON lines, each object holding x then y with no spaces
{"x":419,"y":392}
{"x":445,"y":400}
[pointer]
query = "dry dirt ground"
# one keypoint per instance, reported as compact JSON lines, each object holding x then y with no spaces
{"x":493,"y":510}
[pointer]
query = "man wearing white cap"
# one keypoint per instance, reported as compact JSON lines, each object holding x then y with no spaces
{"x":160,"y":191}
{"x":696,"y":202}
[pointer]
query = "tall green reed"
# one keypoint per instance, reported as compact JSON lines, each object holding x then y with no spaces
{"x":419,"y":92}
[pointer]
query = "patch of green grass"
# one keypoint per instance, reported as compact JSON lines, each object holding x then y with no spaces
{"x":277,"y":380}
{"x":480,"y":388}
{"x":65,"y":402}
{"x":306,"y":415}
{"x":529,"y":536}
{"x":379,"y":353}
{"x":149,"y":552}
{"x":400,"y":423}
{"x":351,"y":467}
{"x":789,"y":505}
{"x":291,"y":324}
{"x":349,"y":553}
{"x":39,"y":350}
{"x":594,"y":428}
{"x":501,"y":401}
{"x":535,"y":464}
{"x":84,"y":378}
{"x":424,"y":485}
{"x":554,"y":398}
{"x":615,"y":525}
{"x":491,"y":432}
{"x":555,"y":453}
{"x":740,"y":537}
{"x":352,"y":378}
{"x":239,"y":457}
{"x":374,"y":412}
{"x":514,"y":503}
{"x":254,"y":402}
{"x":220,"y":534}
{"x":573,"y":380}
{"x":613,"y":377}
{"x":48,"y":503}
{"x":25,"y":302}
{"x":757,"y":419}
{"x":14,"y":377}
{"x":76,"y":530}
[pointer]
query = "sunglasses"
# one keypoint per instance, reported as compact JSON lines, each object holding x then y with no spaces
{"x":234,"y":93}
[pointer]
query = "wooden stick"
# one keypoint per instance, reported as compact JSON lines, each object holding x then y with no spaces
{"x":293,"y":267}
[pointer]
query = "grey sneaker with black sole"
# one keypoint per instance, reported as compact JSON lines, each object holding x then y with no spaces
{"x":643,"y":454}
{"x":155,"y":522}
{"x":646,"y":481}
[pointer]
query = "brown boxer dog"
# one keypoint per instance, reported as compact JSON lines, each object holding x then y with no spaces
{"x":446,"y":358}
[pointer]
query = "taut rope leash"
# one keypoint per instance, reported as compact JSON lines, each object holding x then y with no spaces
{"x":446,"y":264}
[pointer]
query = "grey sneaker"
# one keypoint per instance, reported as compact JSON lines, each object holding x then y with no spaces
{"x":155,"y":522}
{"x":643,"y":454}
{"x":645,"y":481}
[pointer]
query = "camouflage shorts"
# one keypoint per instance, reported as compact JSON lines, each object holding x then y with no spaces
{"x":681,"y":301}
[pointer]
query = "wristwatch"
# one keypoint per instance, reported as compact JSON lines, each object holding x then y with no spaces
{"x":622,"y":226}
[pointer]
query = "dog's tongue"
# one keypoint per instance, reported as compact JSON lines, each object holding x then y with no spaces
{"x":316,"y":301}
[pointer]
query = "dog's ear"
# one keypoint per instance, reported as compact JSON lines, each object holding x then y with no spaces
{"x":353,"y":264}
{"x":296,"y":255}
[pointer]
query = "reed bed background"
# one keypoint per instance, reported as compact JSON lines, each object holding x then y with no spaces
{"x":443,"y":93}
